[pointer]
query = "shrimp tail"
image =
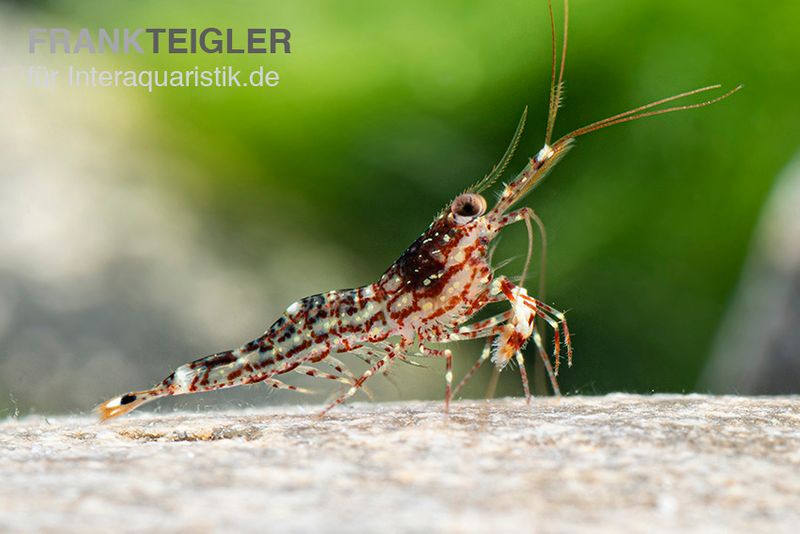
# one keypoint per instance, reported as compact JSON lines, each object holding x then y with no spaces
{"x":128,"y":402}
{"x":221,"y":370}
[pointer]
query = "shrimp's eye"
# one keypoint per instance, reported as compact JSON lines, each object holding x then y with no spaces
{"x":467,"y":207}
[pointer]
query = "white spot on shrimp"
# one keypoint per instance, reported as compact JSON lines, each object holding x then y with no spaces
{"x":523,"y":318}
{"x":183,"y":376}
{"x":394,"y":283}
{"x":545,"y":153}
{"x":448,"y":376}
{"x":113,"y":403}
{"x":294,"y":308}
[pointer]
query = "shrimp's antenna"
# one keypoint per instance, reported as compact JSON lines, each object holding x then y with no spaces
{"x":634,"y":114}
{"x":556,"y":85}
{"x":498,"y":170}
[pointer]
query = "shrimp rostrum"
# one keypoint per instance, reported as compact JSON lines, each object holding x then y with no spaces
{"x":425,"y":298}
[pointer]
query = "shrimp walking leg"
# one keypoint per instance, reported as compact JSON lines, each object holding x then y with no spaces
{"x":308,"y":370}
{"x":277,"y":384}
{"x":485,"y":354}
{"x":447,"y":354}
{"x":525,"y":310}
{"x":339,"y":367}
{"x":524,"y":375}
{"x":482,"y":328}
{"x":391,"y":353}
{"x":537,"y":340}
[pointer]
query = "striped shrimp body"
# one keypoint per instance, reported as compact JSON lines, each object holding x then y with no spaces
{"x":424,"y":298}
{"x":438,"y":283}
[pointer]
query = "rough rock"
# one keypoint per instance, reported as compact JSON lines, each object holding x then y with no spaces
{"x":578,"y":464}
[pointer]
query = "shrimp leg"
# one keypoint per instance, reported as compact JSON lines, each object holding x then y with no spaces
{"x":447,"y":354}
{"x":485,"y":354}
{"x":503,"y":326}
{"x":392,"y":351}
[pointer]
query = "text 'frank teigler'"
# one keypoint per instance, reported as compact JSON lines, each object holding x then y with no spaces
{"x":160,"y":41}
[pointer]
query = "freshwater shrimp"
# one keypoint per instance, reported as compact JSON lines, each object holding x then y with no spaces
{"x":426,"y":297}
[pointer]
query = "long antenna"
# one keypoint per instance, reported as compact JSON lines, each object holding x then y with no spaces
{"x":633,"y":114}
{"x":556,"y":86}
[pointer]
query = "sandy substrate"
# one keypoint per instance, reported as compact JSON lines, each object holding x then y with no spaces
{"x":581,"y":464}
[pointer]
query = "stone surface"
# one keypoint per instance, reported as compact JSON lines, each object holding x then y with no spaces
{"x":579,"y":464}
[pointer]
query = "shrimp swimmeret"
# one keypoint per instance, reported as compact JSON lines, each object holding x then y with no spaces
{"x":425,"y":297}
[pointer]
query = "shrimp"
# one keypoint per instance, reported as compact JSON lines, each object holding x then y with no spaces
{"x":424,"y":298}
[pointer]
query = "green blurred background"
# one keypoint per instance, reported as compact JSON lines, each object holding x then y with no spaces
{"x":246,"y":199}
